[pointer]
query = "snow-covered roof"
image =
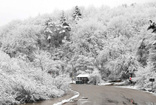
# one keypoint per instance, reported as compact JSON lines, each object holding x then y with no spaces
{"x":83,"y":75}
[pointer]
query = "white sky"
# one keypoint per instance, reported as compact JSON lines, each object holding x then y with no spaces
{"x":22,"y":9}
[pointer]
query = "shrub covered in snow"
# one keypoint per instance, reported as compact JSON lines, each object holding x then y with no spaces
{"x":21,"y":82}
{"x":95,"y":77}
{"x":143,"y":76}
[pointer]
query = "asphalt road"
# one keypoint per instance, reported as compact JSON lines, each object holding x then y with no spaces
{"x":109,"y":95}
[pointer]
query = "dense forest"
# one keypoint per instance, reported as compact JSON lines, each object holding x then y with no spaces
{"x":40,"y":56}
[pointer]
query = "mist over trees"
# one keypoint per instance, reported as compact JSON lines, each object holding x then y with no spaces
{"x":40,"y":55}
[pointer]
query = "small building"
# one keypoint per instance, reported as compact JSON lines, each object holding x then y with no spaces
{"x":82,"y":78}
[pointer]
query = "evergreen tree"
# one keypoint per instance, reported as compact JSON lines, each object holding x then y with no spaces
{"x":56,"y":33}
{"x":77,"y":14}
{"x":62,"y":18}
{"x":152,"y":55}
{"x":152,"y":51}
{"x":64,"y":22}
{"x":142,"y":53}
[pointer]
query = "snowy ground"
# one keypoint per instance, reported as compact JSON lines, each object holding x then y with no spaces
{"x":129,"y":87}
{"x":68,"y":100}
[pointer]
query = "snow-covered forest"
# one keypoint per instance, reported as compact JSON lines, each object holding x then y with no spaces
{"x":40,"y":56}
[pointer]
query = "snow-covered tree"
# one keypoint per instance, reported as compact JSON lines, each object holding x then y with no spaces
{"x":77,"y":14}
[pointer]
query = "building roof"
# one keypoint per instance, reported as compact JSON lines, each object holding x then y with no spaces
{"x":83,"y":75}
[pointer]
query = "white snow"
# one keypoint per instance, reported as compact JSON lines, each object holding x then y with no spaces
{"x":129,"y":87}
{"x":83,"y":75}
{"x":101,"y":84}
{"x":68,"y":100}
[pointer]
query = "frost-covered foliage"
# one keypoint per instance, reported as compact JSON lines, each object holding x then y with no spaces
{"x":143,"y":76}
{"x":43,"y":50}
{"x":21,"y":82}
{"x":95,"y":77}
{"x":116,"y":39}
{"x":148,"y":49}
{"x":142,"y":53}
{"x":56,"y":33}
{"x":77,"y":14}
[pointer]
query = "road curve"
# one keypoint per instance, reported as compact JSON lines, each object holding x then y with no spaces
{"x":69,"y":99}
{"x":109,"y":95}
